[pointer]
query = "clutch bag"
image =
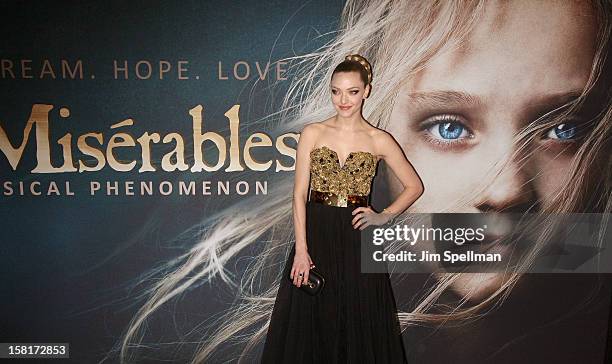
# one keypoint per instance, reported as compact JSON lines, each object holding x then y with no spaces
{"x":315,"y":282}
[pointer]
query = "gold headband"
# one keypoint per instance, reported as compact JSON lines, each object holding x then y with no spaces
{"x":363,"y":62}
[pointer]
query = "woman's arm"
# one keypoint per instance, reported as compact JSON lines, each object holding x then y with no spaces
{"x":301,"y":183}
{"x":302,"y":261}
{"x":394,"y":157}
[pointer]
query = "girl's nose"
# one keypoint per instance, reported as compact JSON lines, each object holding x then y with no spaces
{"x":512,"y":190}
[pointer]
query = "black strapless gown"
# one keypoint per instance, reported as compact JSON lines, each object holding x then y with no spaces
{"x":352,"y":320}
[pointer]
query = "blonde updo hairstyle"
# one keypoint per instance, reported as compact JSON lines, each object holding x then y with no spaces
{"x":356,"y":63}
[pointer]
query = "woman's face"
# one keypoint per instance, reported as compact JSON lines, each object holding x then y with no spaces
{"x":456,"y":119}
{"x":347,"y":93}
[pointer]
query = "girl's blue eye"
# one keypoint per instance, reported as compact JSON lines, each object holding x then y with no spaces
{"x":565,"y":131}
{"x":448,"y":130}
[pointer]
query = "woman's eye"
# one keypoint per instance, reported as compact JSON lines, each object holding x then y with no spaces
{"x":565,"y":131}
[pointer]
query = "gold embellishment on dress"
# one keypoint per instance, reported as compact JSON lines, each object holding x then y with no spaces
{"x":331,"y":199}
{"x":353,"y":178}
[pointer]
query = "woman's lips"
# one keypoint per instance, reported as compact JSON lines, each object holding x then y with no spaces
{"x":345,"y":107}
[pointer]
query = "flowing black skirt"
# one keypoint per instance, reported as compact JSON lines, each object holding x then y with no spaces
{"x":352,"y":320}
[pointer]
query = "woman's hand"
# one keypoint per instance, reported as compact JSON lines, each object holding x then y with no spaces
{"x":365,"y":216}
{"x":301,"y":265}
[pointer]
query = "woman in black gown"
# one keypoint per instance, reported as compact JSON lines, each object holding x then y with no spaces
{"x":353,"y":319}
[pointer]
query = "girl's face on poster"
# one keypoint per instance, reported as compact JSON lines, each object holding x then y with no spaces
{"x":458,"y":117}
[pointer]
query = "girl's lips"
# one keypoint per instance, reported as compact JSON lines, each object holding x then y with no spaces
{"x":344,"y":107}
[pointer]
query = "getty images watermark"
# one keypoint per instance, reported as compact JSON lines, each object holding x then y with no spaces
{"x":489,"y":243}
{"x":411,"y":235}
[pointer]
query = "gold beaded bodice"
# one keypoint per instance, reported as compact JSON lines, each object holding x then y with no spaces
{"x":352,"y":178}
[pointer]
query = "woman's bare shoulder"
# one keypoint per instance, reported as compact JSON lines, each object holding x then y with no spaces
{"x":316,"y":126}
{"x":382,"y":140}
{"x":312,"y":131}
{"x":324,"y":123}
{"x":378,"y":136}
